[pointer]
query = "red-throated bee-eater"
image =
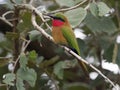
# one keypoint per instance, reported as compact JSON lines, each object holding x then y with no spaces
{"x":63,"y":34}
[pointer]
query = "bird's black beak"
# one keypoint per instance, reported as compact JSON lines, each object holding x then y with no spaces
{"x":54,"y":17}
{"x":51,"y":16}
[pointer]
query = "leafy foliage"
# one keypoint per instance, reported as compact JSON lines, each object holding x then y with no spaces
{"x":45,"y":66}
{"x":98,"y":25}
{"x":66,"y":3}
{"x":58,"y":69}
{"x":28,"y":75}
{"x":103,"y":9}
{"x":25,"y":73}
{"x":9,"y":79}
{"x":76,"y":18}
{"x":99,"y":9}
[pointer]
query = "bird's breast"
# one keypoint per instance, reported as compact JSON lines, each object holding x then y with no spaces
{"x":58,"y":36}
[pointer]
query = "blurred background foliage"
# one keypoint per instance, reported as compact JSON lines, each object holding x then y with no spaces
{"x":44,"y":65}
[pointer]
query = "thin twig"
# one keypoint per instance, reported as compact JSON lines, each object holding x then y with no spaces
{"x":6,"y":13}
{"x":33,"y":9}
{"x":28,"y":42}
{"x":117,"y":12}
{"x":52,"y":79}
{"x":31,"y":2}
{"x":15,"y":64}
{"x":24,"y":46}
{"x":48,"y":26}
{"x":67,"y":9}
{"x":6,"y":21}
{"x":2,"y":85}
{"x":13,"y":1}
{"x":33,"y":19}
{"x":6,"y":58}
{"x":115,"y":53}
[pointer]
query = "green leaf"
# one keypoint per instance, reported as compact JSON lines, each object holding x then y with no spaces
{"x":25,"y":24}
{"x":94,"y":9}
{"x":82,"y":47}
{"x":39,"y":59}
{"x":49,"y":62}
{"x":9,"y":79}
{"x":77,"y":1}
{"x":23,"y":60}
{"x":9,"y":4}
{"x":34,"y":34}
{"x":76,"y":16}
{"x":65,"y":3}
{"x":105,"y":41}
{"x":28,"y":75}
{"x":33,"y":55}
{"x":19,"y":1}
{"x":20,"y":84}
{"x":68,"y":3}
{"x":109,"y":53}
{"x":59,"y":69}
{"x":98,"y":25}
{"x":102,"y":8}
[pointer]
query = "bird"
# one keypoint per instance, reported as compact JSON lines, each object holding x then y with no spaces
{"x":63,"y":34}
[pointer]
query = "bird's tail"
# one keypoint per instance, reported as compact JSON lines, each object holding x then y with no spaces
{"x":82,"y":64}
{"x":84,"y":68}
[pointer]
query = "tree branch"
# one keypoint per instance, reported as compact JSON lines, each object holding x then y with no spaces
{"x":69,"y":50}
{"x":6,"y":21}
{"x":70,"y":8}
{"x":24,"y":46}
{"x":31,"y":8}
{"x":115,"y":52}
{"x":33,"y":19}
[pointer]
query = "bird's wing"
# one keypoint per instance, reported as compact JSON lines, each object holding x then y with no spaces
{"x":72,"y":42}
{"x":70,"y":37}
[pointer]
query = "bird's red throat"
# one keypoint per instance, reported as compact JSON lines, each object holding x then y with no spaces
{"x":57,"y":23}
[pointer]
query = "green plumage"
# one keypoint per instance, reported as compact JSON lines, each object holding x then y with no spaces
{"x":70,"y":38}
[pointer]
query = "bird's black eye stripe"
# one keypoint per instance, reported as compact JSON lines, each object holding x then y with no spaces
{"x":59,"y":19}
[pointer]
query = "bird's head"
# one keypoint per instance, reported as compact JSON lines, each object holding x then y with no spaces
{"x":58,"y":19}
